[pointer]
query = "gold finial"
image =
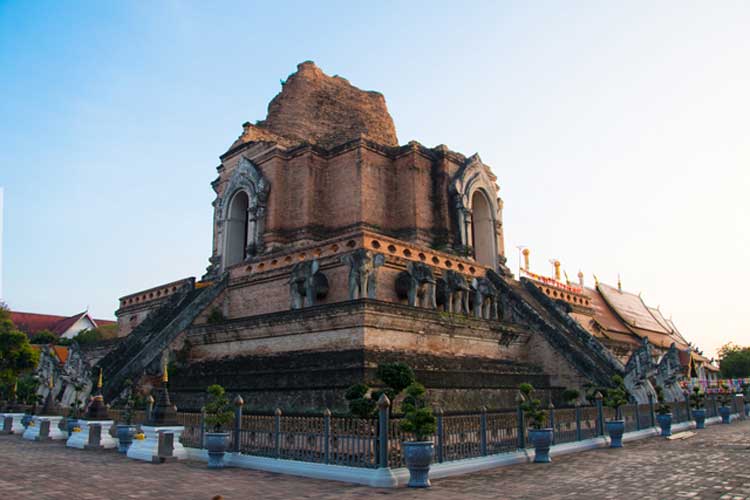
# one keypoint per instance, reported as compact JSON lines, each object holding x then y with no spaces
{"x":580,"y":278}
{"x":165,"y":372}
{"x":556,"y":263}
{"x":99,"y":383}
{"x":526,"y":253}
{"x":596,"y":280}
{"x":567,"y":280}
{"x":619,"y":282}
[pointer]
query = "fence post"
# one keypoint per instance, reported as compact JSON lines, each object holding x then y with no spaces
{"x":521,"y":422}
{"x":203,"y":427}
{"x":637,"y":416}
{"x":326,"y":436}
{"x":149,"y":407}
{"x":599,"y":414}
{"x":238,"y":403}
{"x":552,"y":420}
{"x":440,"y":434}
{"x":716,"y":406}
{"x":579,"y":434}
{"x":686,"y":394}
{"x":483,"y":431}
{"x":277,"y":431}
{"x":651,"y":409}
{"x":384,"y":405}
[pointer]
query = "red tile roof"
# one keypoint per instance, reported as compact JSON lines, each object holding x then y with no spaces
{"x":31,"y":323}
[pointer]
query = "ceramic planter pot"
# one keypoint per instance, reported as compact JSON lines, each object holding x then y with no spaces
{"x":615,"y":429}
{"x":125,"y":435}
{"x":726,"y":414}
{"x":418,"y":456}
{"x":542,"y":440}
{"x":665,"y":422}
{"x":216,"y":443}
{"x":700,"y":418}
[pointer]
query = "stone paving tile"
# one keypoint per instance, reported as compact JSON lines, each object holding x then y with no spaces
{"x":715,"y":464}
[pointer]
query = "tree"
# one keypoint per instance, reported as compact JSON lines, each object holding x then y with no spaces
{"x":88,"y":336}
{"x":734,"y":361}
{"x":44,"y":337}
{"x":16,"y":354}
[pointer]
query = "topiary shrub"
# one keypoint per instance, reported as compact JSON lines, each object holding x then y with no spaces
{"x":418,"y":417}
{"x":218,"y":410}
{"x":535,"y":416}
{"x":360,"y":405}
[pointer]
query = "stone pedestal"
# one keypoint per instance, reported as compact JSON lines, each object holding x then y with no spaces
{"x":148,"y":449}
{"x":33,"y":431}
{"x":82,"y":439}
{"x":16,"y":426}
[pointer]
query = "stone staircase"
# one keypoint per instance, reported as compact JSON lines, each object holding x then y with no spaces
{"x":565,"y":335}
{"x":148,"y":340}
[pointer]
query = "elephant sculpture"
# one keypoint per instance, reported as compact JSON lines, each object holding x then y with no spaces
{"x":363,"y":267}
{"x":485,"y":299}
{"x":417,"y":284}
{"x":307,"y":284}
{"x":453,"y":292}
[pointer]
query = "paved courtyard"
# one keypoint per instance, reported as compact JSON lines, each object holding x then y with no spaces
{"x":713,"y":464}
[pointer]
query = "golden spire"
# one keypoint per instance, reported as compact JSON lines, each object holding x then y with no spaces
{"x":526,"y":253}
{"x":596,"y":280}
{"x":99,"y":383}
{"x":580,"y":278}
{"x":619,"y":282}
{"x":556,"y":263}
{"x":165,"y":372}
{"x":567,"y":280}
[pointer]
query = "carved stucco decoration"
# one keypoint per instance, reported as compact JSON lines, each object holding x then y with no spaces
{"x":486,"y":301}
{"x":363,"y":270}
{"x":472,"y":176}
{"x":453,"y":292}
{"x":417,"y":284}
{"x":307,"y":284}
{"x":669,"y":373}
{"x":248,"y":178}
{"x":639,"y":370}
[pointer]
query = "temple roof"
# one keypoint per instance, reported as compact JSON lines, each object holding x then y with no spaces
{"x":31,"y":323}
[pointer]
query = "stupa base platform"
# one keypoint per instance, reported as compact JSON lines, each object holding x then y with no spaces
{"x":33,"y":431}
{"x":81,"y":439}
{"x":147,"y":449}
{"x":14,"y":419}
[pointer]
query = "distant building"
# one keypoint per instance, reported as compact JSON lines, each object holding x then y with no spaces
{"x":65,"y":327}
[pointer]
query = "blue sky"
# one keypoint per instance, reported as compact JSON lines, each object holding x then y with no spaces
{"x":618,"y":132}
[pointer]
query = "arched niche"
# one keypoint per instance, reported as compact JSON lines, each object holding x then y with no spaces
{"x":476,"y":211}
{"x":483,"y":234}
{"x":239,"y":216}
{"x":237,"y":229}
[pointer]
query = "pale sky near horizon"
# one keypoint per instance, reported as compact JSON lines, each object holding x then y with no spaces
{"x":618,"y":133}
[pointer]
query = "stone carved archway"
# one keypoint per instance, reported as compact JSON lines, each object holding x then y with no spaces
{"x":477,"y":211}
{"x":248,"y":182}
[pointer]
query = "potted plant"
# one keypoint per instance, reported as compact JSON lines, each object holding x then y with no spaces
{"x":725,"y":398}
{"x":419,"y":421}
{"x":615,"y":398}
{"x":218,"y":415}
{"x":663,"y":413}
{"x":126,"y":430}
{"x":699,"y":408}
{"x":540,"y":436}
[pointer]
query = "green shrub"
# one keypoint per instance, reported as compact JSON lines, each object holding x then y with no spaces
{"x":359,"y":404}
{"x":616,"y":396}
{"x":697,"y":399}
{"x":418,"y":417}
{"x":218,"y":410}
{"x":570,"y":396}
{"x":535,"y":416}
{"x":662,"y":408}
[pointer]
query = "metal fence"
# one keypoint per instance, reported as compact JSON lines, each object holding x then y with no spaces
{"x":377,"y":442}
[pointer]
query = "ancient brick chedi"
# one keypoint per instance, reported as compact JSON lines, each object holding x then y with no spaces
{"x":336,"y":249}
